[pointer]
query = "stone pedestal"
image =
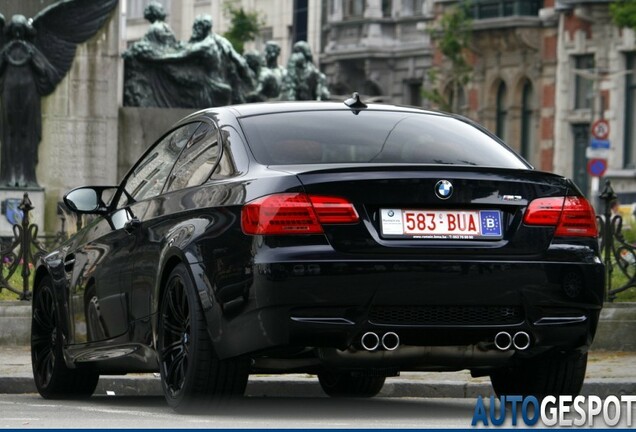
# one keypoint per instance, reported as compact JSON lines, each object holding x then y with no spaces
{"x":10,"y":199}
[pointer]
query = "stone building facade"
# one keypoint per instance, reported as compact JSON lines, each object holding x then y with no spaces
{"x":595,"y":79}
{"x":512,"y":85}
{"x":377,"y":47}
{"x":544,"y":72}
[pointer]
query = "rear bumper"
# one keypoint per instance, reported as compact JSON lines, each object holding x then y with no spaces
{"x":331,"y":304}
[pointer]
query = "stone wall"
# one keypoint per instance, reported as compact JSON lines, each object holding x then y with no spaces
{"x":79,"y":121}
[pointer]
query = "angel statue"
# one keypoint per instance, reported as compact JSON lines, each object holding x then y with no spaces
{"x":35,"y":55}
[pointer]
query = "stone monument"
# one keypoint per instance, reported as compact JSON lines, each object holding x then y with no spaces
{"x":203,"y":72}
{"x":35,"y":58}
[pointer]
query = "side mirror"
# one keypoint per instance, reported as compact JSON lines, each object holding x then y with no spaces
{"x":88,"y":199}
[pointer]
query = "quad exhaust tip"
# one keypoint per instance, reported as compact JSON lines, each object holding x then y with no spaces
{"x":390,"y":341}
{"x":370,"y":341}
{"x":503,"y":341}
{"x":520,"y":341}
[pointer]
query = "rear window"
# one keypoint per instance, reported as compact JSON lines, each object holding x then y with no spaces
{"x":312,"y":137}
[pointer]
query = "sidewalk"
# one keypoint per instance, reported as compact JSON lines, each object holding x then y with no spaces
{"x":608,"y":373}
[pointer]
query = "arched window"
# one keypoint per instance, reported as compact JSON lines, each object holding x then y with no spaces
{"x":502,"y":111}
{"x":526,"y":120}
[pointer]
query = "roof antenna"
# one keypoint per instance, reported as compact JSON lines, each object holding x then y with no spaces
{"x":355,"y":103}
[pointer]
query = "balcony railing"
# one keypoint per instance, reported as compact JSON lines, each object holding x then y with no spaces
{"x":485,"y":9}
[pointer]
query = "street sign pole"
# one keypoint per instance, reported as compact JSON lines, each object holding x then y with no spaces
{"x":598,"y":153}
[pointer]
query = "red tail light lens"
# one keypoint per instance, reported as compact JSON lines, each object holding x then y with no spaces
{"x":578,"y":219}
{"x":572,"y":216}
{"x":334,"y":210}
{"x":544,"y":211}
{"x":295,"y":213}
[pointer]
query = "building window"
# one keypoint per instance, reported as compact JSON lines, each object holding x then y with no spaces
{"x":300,"y":20}
{"x":387,"y":6}
{"x":526,"y":120}
{"x":413,"y":7}
{"x":484,"y":9}
{"x":502,"y":111}
{"x":135,"y":8}
{"x":629,"y":152}
{"x":353,"y":8}
{"x":583,"y":86}
{"x":414,"y":92}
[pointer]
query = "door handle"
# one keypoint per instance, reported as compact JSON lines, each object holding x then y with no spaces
{"x":132,"y":225}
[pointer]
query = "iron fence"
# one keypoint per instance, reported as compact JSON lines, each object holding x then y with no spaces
{"x":20,"y":253}
{"x":618,"y":254}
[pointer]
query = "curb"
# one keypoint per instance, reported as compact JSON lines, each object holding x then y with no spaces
{"x":276,"y":386}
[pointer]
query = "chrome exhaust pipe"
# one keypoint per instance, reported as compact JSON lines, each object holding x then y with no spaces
{"x":390,"y":341}
{"x":503,"y":341}
{"x":370,"y":341}
{"x":521,"y":340}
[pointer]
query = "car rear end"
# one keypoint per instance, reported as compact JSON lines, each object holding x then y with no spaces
{"x":416,"y":241}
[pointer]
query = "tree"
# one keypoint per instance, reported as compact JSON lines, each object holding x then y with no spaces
{"x":452,"y":36}
{"x":244,"y":26}
{"x":624,"y":13}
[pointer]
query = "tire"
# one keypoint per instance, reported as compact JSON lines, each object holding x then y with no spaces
{"x":348,"y":384}
{"x":53,"y":379}
{"x":554,"y":374}
{"x":192,"y":377}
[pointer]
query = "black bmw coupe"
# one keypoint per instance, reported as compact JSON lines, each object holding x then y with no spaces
{"x":345,"y":240}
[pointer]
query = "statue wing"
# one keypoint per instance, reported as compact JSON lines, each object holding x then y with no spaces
{"x":62,"y":26}
{"x":2,"y":23}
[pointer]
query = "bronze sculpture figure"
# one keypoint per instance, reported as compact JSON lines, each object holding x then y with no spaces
{"x":268,"y":87}
{"x":304,"y":80}
{"x":271,"y":53}
{"x":35,"y":55}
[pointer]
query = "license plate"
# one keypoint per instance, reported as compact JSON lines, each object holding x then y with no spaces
{"x":441,"y":224}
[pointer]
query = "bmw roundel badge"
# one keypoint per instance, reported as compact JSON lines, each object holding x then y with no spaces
{"x":443,"y":189}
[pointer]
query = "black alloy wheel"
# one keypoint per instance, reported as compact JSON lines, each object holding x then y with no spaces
{"x":53,"y":379}
{"x":192,"y":377}
{"x":350,"y":384}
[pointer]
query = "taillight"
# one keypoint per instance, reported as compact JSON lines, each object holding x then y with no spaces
{"x":333,"y":210}
{"x":573,"y":216}
{"x":544,"y":211}
{"x":295,"y":213}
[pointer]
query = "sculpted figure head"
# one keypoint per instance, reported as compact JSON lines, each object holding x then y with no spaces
{"x":20,"y":28}
{"x":272,"y":51}
{"x":303,"y":48}
{"x":154,"y":12}
{"x":201,"y":27}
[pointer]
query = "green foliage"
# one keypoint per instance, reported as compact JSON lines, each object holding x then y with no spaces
{"x":244,"y":27}
{"x":624,"y":13}
{"x":16,"y":282}
{"x":452,"y":36}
